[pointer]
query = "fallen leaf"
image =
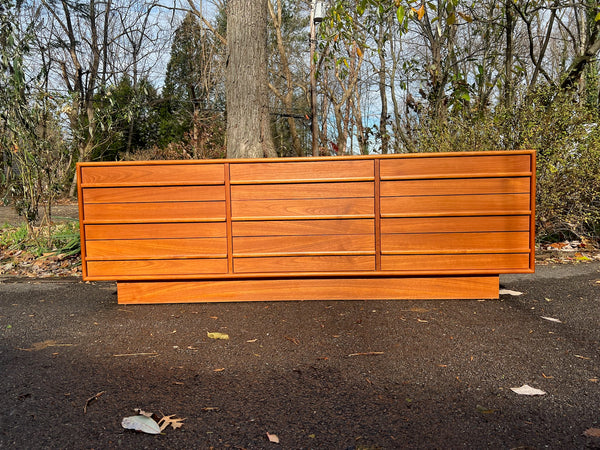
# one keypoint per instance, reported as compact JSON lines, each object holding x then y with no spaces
{"x":250,"y":341}
{"x":141,"y":423}
{"x":137,"y":354}
{"x":219,"y":370}
{"x":217,"y":335}
{"x":551,"y":319}
{"x":273,"y":438}
{"x":170,"y":420}
{"x":592,"y":432}
{"x":421,"y":320}
{"x":558,"y":245}
{"x":141,"y":412}
{"x":527,"y":390}
{"x":509,"y":292}
{"x":581,"y":357}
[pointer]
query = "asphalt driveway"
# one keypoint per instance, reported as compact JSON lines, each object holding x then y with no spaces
{"x":335,"y":374}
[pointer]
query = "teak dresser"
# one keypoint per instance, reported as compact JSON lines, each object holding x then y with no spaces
{"x":418,"y":226}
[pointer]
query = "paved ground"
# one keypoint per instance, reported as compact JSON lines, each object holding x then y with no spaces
{"x":339,"y":375}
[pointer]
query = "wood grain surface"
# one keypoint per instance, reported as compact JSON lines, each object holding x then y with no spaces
{"x":250,"y":229}
{"x":151,"y":174}
{"x":466,"y":287}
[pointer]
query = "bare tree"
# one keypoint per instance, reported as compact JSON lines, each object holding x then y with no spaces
{"x":284,"y":93}
{"x":78,"y":35}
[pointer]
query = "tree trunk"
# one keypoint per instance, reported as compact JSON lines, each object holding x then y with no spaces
{"x":508,"y":57}
{"x":246,"y":84}
{"x":383,"y":116}
{"x":589,"y":50}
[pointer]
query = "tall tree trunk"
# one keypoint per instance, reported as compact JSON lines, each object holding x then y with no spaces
{"x":509,"y":56}
{"x":246,"y":83}
{"x":383,"y":116}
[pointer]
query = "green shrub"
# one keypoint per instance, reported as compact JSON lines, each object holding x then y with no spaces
{"x":566,"y":135}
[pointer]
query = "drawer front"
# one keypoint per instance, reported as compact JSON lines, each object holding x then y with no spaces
{"x":153,"y":174}
{"x":260,"y":172}
{"x":470,"y":164}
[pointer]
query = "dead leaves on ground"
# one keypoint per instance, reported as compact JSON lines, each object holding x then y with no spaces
{"x":217,"y":335}
{"x":510,"y":292}
{"x":273,"y":438}
{"x":172,"y":421}
{"x":141,"y":423}
{"x":592,"y":432}
{"x":569,"y":252}
{"x":150,"y":423}
{"x":21,"y":263}
{"x":527,"y":390}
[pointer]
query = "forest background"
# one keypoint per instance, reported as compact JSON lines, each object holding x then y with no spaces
{"x":136,"y":79}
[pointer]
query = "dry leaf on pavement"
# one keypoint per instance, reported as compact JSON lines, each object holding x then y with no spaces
{"x":170,"y":420}
{"x":527,"y":390}
{"x":509,"y":292}
{"x":217,"y":335}
{"x":273,"y":438}
{"x":141,"y":423}
{"x":592,"y":432}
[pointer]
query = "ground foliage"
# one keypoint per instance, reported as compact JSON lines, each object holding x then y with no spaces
{"x":40,"y":252}
{"x":565,"y":134}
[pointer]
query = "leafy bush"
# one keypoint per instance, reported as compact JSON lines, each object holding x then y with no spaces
{"x":566,"y":135}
